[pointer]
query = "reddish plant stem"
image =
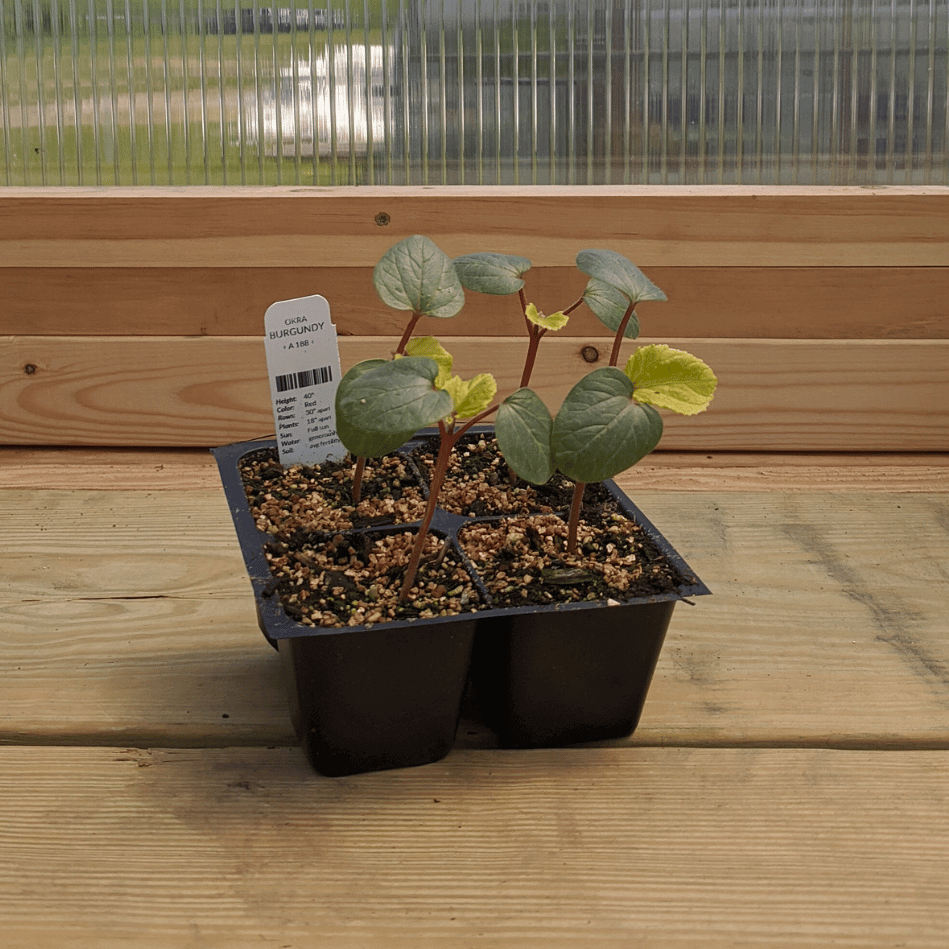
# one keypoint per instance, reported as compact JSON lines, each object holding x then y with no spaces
{"x":620,"y":333}
{"x":535,"y":334}
{"x":407,"y":335}
{"x":573,"y":522}
{"x":445,"y":445}
{"x":572,"y":307}
{"x":357,"y":479}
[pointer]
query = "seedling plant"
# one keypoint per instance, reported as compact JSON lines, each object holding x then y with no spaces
{"x":607,"y":422}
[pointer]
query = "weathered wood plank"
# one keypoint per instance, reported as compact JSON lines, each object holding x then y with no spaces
{"x":822,"y":604}
{"x":100,"y":545}
{"x":773,"y":302}
{"x":316,"y":227}
{"x":682,"y":471}
{"x":826,"y":625}
{"x":580,"y":848}
{"x":146,"y":670}
{"x":93,"y":469}
{"x":774,"y":395}
{"x":143,"y":469}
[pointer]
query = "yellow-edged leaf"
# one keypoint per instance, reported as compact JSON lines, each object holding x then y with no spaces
{"x":556,"y":321}
{"x":671,"y":379}
{"x":471,"y":396}
{"x":433,"y":349}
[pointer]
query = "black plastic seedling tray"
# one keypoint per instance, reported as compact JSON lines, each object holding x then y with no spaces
{"x":389,"y":695}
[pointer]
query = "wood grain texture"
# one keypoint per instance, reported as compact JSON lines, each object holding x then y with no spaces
{"x":143,"y":469}
{"x":127,"y":616}
{"x":774,"y":395}
{"x":591,"y":848}
{"x":770,"y":302}
{"x":135,"y":469}
{"x":683,"y":471}
{"x":308,"y":227}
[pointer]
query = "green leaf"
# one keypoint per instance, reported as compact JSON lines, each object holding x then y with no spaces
{"x":523,"y":429}
{"x":469,"y":397}
{"x":433,"y":349}
{"x":360,"y":443}
{"x":671,"y":379}
{"x":610,"y":306}
{"x":556,"y":321}
{"x":369,"y":444}
{"x":601,"y":430}
{"x":619,"y":272}
{"x":396,"y":397}
{"x":415,"y":275}
{"x":492,"y":273}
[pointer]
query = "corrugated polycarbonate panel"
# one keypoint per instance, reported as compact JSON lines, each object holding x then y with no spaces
{"x":474,"y":91}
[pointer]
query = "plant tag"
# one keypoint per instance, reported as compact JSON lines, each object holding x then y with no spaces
{"x":303,"y":366}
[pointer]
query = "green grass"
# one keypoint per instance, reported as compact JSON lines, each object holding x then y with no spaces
{"x":71,"y":70}
{"x":124,"y":158}
{"x":63,"y":70}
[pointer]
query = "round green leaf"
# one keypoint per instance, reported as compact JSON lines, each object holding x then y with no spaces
{"x":361,"y":443}
{"x":369,"y":444}
{"x":610,"y":306}
{"x":393,"y":398}
{"x":600,"y":430}
{"x":671,"y":378}
{"x":492,"y":273}
{"x":619,"y":272}
{"x":415,"y":275}
{"x":523,"y":429}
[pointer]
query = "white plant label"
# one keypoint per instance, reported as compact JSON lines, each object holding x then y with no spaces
{"x":303,"y":366}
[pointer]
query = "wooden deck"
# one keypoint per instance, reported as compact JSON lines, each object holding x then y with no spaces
{"x":788,"y":785}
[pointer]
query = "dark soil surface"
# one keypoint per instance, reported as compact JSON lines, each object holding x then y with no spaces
{"x":479,"y":483}
{"x":330,"y":571}
{"x":320,"y":498}
{"x":355,"y":580}
{"x":524,"y":560}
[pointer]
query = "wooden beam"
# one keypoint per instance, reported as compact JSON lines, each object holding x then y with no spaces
{"x":756,"y":302}
{"x":661,"y":848}
{"x":708,"y":226}
{"x":775,"y":395}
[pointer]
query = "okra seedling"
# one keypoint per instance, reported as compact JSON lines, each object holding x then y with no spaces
{"x":412,"y":275}
{"x":616,"y":286}
{"x":384,"y":403}
{"x":502,"y":275}
{"x":607,"y":422}
{"x":415,"y":275}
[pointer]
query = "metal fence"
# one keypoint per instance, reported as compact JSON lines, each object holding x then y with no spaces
{"x":474,"y":91}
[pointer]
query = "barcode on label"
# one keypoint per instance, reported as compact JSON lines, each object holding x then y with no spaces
{"x":304,"y":379}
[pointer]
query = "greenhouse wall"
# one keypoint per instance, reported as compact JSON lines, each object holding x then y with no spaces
{"x":474,"y":92}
